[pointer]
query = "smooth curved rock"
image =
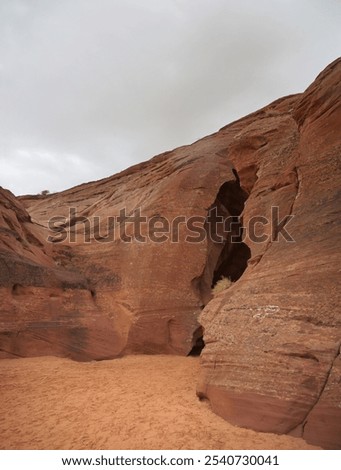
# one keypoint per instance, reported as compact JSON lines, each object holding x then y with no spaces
{"x":271,"y":360}
{"x":77,"y":288}
{"x":134,"y":297}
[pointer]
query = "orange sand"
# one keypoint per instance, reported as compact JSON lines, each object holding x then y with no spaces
{"x":138,"y":402}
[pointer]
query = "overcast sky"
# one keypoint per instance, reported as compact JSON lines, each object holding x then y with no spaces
{"x":90,"y":87}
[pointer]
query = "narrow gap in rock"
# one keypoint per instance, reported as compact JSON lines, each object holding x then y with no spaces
{"x":232,"y":263}
{"x":198,"y":342}
{"x":234,"y":253}
{"x":227,"y":254}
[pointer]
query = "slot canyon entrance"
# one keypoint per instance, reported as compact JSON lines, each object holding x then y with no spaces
{"x":227,"y":254}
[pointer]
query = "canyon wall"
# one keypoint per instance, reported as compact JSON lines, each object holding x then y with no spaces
{"x":272,"y":356}
{"x":79,"y":279}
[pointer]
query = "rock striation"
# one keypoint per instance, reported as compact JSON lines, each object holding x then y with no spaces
{"x":126,"y":265}
{"x":272,"y":356}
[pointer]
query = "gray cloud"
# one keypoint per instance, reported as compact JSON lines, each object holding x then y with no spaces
{"x":89,"y":87}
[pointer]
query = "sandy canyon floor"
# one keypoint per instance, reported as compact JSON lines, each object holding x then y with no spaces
{"x":137,"y":402}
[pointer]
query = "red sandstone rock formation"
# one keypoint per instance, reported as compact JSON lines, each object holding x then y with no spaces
{"x":45,"y":308}
{"x":272,"y":356}
{"x":145,"y":288}
{"x":271,"y":360}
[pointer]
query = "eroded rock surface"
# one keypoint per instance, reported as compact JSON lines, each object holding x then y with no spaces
{"x":45,"y":308}
{"x":140,"y":294}
{"x":271,"y":360}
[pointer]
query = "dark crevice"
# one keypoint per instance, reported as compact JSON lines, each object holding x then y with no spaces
{"x":306,"y":419}
{"x":232,"y":197}
{"x":232,"y":264}
{"x":234,"y":255}
{"x":234,"y":171}
{"x":198,"y":342}
{"x":298,"y":429}
{"x":227,"y":255}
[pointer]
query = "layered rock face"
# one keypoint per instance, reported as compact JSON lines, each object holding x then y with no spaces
{"x":126,"y":265}
{"x":45,"y":308}
{"x":132,"y":294}
{"x":272,"y":356}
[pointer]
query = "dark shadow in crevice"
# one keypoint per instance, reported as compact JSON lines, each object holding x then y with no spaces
{"x":198,"y":342}
{"x":232,"y":263}
{"x":234,"y":253}
{"x":231,"y":196}
{"x":227,"y":254}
